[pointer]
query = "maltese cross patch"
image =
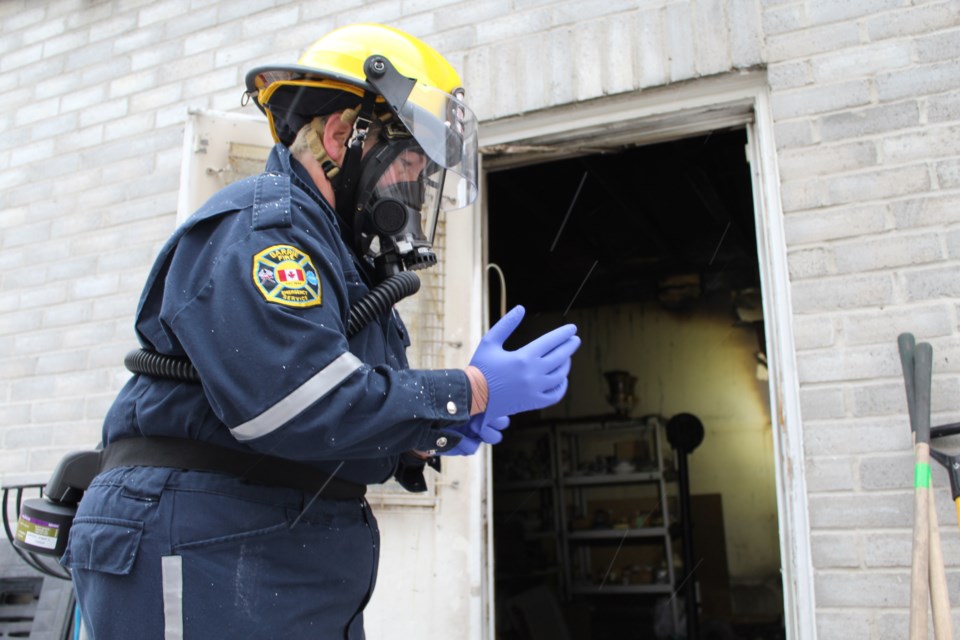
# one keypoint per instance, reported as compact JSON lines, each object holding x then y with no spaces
{"x":285,"y":275}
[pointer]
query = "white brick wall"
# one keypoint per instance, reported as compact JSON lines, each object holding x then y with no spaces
{"x":866,"y":103}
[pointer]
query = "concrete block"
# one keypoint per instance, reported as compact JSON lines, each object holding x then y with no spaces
{"x":878,"y":185}
{"x":80,"y":139}
{"x":811,"y":100}
{"x":23,"y":18}
{"x":198,"y":18}
{"x":155,"y":98}
{"x":918,"y":81}
{"x":109,"y":110}
{"x":873,"y":327}
{"x":38,"y":110}
{"x":825,"y":11}
{"x":838,"y":624}
{"x":133,"y":83}
{"x":948,"y":174}
{"x":164,"y":54}
{"x":835,"y":223}
{"x":861,"y":62}
{"x":679,"y":42}
{"x":855,"y":511}
{"x":885,"y":473}
{"x":831,"y":550}
{"x":162,"y":11}
{"x":789,"y":75}
{"x":239,"y":9}
{"x":275,"y":20}
{"x":712,"y":40}
{"x":931,"y":283}
{"x":926,"y":211}
{"x":47,"y":29}
{"x":91,"y":13}
{"x":21,"y":57}
{"x":130,"y":125}
{"x":652,"y":49}
{"x":135,"y":41}
{"x":819,"y":403}
{"x":69,"y":41}
{"x":944,"y":45}
{"x":587,"y":60}
{"x":619,"y":56}
{"x":853,"y":291}
{"x":912,"y":19}
{"x":830,"y":438}
{"x":871,"y":120}
{"x":82,"y":99}
{"x":889,"y":550}
{"x":512,"y":25}
{"x":782,"y":19}
{"x":944,"y":107}
{"x":559,"y":89}
{"x":827,"y":159}
{"x":874,"y":253}
{"x":93,"y":287}
{"x":812,"y":41}
{"x":245,"y":54}
{"x":113,"y":27}
{"x":211,"y":39}
{"x":810,"y":263}
{"x":802,"y":194}
{"x":930,"y":142}
{"x":798,"y":133}
{"x":746,"y":34}
{"x":813,"y":332}
{"x":854,"y":363}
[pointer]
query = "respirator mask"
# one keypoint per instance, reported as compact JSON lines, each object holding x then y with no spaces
{"x":399,"y":197}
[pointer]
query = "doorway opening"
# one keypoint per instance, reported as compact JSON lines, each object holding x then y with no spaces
{"x":645,"y":503}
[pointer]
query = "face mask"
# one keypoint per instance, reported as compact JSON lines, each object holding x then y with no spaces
{"x":398,"y":207}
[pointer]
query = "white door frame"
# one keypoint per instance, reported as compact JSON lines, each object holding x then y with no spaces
{"x":649,"y":116}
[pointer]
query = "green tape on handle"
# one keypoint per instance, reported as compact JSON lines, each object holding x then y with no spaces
{"x":921,"y":479}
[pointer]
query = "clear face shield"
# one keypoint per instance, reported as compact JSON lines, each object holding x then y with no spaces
{"x":424,"y":163}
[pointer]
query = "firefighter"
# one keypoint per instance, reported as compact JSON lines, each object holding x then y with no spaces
{"x":234,"y":507}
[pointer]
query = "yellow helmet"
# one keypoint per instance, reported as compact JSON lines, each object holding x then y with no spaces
{"x":405,"y":75}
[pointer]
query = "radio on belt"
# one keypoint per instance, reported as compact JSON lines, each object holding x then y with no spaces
{"x":44,"y":523}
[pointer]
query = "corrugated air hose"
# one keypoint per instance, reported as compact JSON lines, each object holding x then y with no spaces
{"x":377,"y":302}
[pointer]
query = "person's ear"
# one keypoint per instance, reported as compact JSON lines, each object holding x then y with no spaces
{"x":335,"y":134}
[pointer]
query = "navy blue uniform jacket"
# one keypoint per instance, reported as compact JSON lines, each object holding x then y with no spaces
{"x":255,"y":289}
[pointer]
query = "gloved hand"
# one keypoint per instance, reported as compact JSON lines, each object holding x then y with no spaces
{"x":477,"y":432}
{"x":532,"y":377}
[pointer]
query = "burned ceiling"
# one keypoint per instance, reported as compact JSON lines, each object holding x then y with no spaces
{"x":671,"y":221}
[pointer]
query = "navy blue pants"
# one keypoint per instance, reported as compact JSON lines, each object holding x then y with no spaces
{"x":159,"y":553}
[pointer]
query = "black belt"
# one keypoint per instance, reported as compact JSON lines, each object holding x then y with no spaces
{"x":193,"y":455}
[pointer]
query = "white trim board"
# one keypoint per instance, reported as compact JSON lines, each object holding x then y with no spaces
{"x":695,"y":108}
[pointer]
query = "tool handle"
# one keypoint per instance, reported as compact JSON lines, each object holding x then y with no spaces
{"x":923,"y":371}
{"x":907,"y":345}
{"x":920,"y":567}
{"x":939,"y":595}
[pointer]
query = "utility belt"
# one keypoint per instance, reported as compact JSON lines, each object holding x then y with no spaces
{"x":44,"y":523}
{"x":193,"y":455}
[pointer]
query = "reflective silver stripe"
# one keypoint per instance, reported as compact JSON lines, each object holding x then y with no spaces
{"x":171,"y":571}
{"x":325,"y":381}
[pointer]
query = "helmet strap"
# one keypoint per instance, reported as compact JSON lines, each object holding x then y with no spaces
{"x":345,"y":185}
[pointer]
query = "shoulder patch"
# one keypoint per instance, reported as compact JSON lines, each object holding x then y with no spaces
{"x":285,"y":275}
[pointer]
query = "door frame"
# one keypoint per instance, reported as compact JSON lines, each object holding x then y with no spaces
{"x":658,"y":115}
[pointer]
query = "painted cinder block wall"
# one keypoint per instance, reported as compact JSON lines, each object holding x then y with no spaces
{"x":866,"y":105}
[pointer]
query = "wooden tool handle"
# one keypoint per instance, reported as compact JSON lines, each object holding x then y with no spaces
{"x":939,"y":595}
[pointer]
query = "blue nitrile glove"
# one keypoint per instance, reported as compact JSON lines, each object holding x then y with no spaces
{"x":475,"y":433}
{"x":532,"y":377}
{"x":488,"y":431}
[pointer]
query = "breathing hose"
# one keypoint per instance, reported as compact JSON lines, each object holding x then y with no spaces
{"x":377,"y":302}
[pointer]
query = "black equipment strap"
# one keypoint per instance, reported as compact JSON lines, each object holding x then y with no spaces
{"x":193,"y":455}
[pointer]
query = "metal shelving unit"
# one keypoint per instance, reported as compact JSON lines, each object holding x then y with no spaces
{"x":582,"y":471}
